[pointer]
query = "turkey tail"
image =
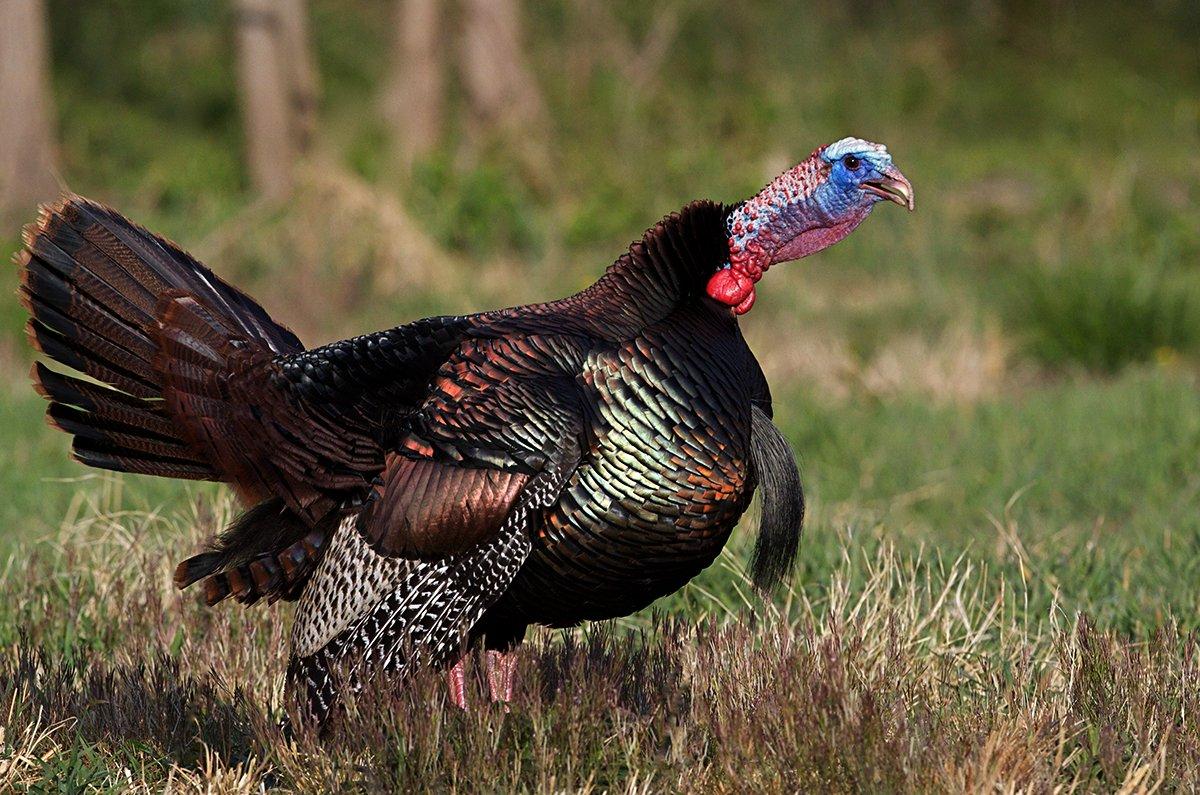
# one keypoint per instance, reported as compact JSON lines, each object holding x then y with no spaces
{"x":268,"y":552}
{"x":97,"y":288}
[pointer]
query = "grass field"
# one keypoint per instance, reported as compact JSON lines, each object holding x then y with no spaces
{"x":995,"y":402}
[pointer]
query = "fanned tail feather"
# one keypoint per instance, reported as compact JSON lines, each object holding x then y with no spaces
{"x":152,"y":336}
{"x":101,"y":293}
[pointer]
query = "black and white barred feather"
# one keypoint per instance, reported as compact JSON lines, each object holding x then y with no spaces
{"x":401,"y":615}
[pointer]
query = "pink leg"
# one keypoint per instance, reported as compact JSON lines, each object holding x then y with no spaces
{"x":502,"y":668}
{"x":458,"y":684}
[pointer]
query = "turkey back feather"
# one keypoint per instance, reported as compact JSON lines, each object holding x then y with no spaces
{"x":782,"y":503}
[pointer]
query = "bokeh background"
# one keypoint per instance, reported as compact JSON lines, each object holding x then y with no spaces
{"x":1009,"y":373}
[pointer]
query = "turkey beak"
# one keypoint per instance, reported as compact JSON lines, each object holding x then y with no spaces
{"x":894,"y":187}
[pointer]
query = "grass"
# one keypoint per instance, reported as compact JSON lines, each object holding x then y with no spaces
{"x":907,"y":674}
{"x":43,"y":487}
{"x":967,"y":614}
{"x":1089,"y":487}
{"x":994,"y":401}
{"x":1106,"y":317}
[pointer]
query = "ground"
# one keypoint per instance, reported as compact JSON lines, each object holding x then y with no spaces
{"x":994,"y":401}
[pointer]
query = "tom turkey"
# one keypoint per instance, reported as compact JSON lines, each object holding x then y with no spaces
{"x":456,"y":479}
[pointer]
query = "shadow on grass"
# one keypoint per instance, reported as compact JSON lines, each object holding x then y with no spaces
{"x":147,"y":708}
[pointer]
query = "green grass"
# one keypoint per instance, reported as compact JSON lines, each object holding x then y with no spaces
{"x":1084,"y":490}
{"x":1106,"y":317}
{"x":43,"y":487}
{"x":1091,"y":486}
{"x":999,"y":394}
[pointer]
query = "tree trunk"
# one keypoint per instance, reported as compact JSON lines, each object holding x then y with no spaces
{"x":301,"y":70}
{"x":278,"y":90}
{"x":413,"y":100}
{"x":26,"y":110}
{"x":501,"y":88}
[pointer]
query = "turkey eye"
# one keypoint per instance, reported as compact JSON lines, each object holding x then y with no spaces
{"x":851,"y":162}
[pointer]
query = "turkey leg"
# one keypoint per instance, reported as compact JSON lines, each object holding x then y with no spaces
{"x":458,"y":684}
{"x":501,"y":669}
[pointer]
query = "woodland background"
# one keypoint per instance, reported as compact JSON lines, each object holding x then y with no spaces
{"x":994,"y":399}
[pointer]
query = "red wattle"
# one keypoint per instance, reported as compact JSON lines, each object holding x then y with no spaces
{"x":730,"y":287}
{"x":746,"y":303}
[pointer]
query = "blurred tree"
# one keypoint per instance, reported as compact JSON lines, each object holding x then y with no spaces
{"x":413,"y":100}
{"x":278,"y":81}
{"x":301,"y":70}
{"x":26,"y":113}
{"x":500,"y":85}
{"x":502,"y":96}
{"x":502,"y":91}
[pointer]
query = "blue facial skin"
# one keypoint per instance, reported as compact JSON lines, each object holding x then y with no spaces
{"x":867,"y":165}
{"x":852,"y":162}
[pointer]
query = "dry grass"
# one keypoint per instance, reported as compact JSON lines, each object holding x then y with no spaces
{"x":959,"y":365}
{"x":911,"y":675}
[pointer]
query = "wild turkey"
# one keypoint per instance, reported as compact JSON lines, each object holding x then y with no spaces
{"x":455,"y":479}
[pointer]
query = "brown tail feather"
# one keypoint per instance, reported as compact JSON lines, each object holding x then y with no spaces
{"x":104,"y":404}
{"x":97,"y":287}
{"x":157,"y":334}
{"x":280,"y":574}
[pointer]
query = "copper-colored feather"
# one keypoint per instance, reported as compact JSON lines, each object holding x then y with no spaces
{"x":429,"y":509}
